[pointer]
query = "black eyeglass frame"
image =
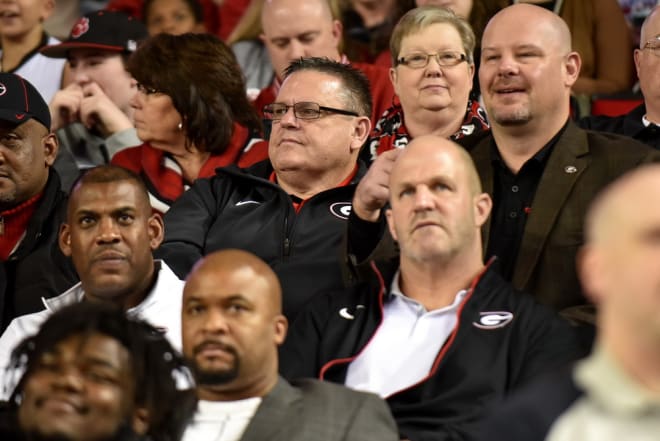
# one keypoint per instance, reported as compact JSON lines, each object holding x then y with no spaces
{"x":268,"y":112}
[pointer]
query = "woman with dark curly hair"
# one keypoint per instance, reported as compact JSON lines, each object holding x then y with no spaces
{"x":191,"y":112}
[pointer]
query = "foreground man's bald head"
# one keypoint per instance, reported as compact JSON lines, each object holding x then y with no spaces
{"x":232,"y":325}
{"x":620,"y":263}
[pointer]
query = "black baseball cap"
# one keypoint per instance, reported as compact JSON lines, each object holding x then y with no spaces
{"x":20,"y":101}
{"x":104,"y":30}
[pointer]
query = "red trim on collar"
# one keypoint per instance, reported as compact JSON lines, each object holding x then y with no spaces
{"x":15,"y":222}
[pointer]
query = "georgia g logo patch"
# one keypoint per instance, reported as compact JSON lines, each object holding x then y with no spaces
{"x":341,"y":209}
{"x":493,"y":319}
{"x":81,"y":26}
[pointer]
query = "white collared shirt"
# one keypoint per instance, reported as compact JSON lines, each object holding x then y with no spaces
{"x":221,"y":420}
{"x":404,"y":347}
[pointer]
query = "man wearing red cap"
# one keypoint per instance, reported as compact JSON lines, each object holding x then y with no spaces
{"x":31,"y":203}
{"x":92,"y":116}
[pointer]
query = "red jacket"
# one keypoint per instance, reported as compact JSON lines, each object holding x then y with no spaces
{"x":162,"y":174}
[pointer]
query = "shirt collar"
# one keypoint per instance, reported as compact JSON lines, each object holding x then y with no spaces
{"x":540,"y":158}
{"x":396,"y":293}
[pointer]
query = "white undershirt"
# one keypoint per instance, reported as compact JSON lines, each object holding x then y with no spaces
{"x":403,"y":349}
{"x":221,"y":420}
{"x":647,"y":122}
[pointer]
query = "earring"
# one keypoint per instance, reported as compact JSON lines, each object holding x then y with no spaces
{"x":180,"y":126}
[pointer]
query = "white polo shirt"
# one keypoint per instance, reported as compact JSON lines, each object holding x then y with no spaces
{"x":402,"y":351}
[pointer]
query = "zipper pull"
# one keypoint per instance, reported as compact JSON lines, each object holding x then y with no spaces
{"x":287,"y":247}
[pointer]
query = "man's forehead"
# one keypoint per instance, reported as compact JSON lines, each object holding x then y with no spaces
{"x":125,"y":194}
{"x":309,"y":85}
{"x":294,"y":10}
{"x":95,"y":346}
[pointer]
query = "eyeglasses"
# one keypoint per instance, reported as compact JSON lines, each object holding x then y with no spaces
{"x":301,"y":110}
{"x":419,"y":60}
{"x":146,"y":89}
{"x":654,"y":46}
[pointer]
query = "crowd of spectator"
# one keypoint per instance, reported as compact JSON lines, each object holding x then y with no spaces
{"x":235,"y":220}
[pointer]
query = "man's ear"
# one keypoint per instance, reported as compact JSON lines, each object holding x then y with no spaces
{"x":483,"y":205}
{"x":51,"y":147}
{"x":572,"y":65}
{"x":65,"y":239}
{"x":636,"y":55}
{"x":156,"y":228}
{"x":590,"y":270}
{"x":337,"y":30}
{"x":140,"y":421}
{"x":390,"y":223}
{"x":361,"y":130}
{"x":47,"y":9}
{"x":281,"y":328}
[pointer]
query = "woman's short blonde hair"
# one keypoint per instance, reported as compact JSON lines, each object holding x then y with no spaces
{"x":420,"y":18}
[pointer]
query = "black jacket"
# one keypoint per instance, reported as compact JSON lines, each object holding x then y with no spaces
{"x":474,"y":368}
{"x":629,"y":124}
{"x":241,"y":208}
{"x":37,"y":268}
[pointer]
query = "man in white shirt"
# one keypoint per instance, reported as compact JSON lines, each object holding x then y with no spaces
{"x":231,"y":327}
{"x":110,"y":233}
{"x":437,"y":333}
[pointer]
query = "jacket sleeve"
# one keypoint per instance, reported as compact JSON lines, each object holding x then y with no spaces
{"x":363,"y":242}
{"x":372,"y":421}
{"x":299,"y":355}
{"x":186,"y":226}
{"x":546,"y":342}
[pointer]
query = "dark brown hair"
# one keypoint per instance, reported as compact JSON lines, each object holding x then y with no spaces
{"x":202,"y":77}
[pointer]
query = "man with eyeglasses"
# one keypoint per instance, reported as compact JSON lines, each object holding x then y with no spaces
{"x":291,"y":209}
{"x":643,"y":122}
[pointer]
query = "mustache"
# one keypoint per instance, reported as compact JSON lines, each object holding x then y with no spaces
{"x":214,"y":344}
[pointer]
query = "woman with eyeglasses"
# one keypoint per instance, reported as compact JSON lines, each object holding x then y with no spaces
{"x":191,"y":113}
{"x":432,"y":76}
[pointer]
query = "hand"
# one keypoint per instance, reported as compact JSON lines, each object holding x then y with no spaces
{"x":99,"y":111}
{"x":373,"y":191}
{"x":65,"y":106}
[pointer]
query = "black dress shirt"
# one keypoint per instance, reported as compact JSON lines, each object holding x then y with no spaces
{"x":513,"y":197}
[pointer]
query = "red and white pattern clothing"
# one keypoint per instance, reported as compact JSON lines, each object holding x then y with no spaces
{"x":390,"y":131}
{"x":163,"y":175}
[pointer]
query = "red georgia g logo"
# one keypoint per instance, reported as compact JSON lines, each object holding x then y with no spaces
{"x":80,"y":27}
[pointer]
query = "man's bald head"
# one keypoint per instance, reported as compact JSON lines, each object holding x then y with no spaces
{"x":428,"y":145}
{"x":547,"y":25}
{"x":619,"y":265}
{"x":217,"y":266}
{"x":272,"y":8}
{"x":650,"y":27}
{"x":618,"y":207}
